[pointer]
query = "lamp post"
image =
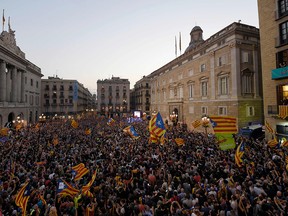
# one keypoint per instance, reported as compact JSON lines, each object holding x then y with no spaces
{"x":42,"y":119}
{"x":174,"y":118}
{"x":205,"y":123}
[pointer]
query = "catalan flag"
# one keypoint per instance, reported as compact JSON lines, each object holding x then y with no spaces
{"x":80,"y":171}
{"x":88,"y":131}
{"x":111,"y":122}
{"x":179,"y":141}
{"x":156,"y":125}
{"x":4,"y":131}
{"x":273,"y":143}
{"x":239,"y":154}
{"x":196,"y":123}
{"x":269,"y":128}
{"x":224,"y":128}
{"x":131,"y":131}
{"x":284,"y":143}
{"x":22,"y":197}
{"x":225,"y":124}
{"x":65,"y":189}
{"x":74,"y":124}
{"x":153,"y":138}
{"x":86,"y":188}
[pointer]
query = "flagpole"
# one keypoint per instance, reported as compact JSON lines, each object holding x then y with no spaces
{"x":3,"y":21}
{"x":180,"y":42}
{"x":175,"y":46}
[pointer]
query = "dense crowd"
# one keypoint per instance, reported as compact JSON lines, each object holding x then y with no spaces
{"x":136,"y":177}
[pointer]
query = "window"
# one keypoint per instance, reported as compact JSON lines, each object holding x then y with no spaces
{"x":191,"y":90}
{"x":171,"y":93}
{"x":222,"y":110}
{"x":175,"y":91}
{"x":190,"y":72}
{"x":170,"y":80}
{"x":282,"y":59}
{"x":25,"y":80}
{"x":36,"y":84}
{"x":180,"y":76}
{"x":180,"y":92}
{"x":220,"y":61}
{"x":250,"y":111}
{"x":247,"y":82}
{"x":202,"y":67}
{"x":204,"y":110}
{"x":204,"y":89}
{"x":282,"y":7}
{"x":191,"y":109}
{"x":25,"y":98}
{"x":223,"y":85}
{"x":283,"y":33}
{"x":245,"y":57}
{"x":31,"y":82}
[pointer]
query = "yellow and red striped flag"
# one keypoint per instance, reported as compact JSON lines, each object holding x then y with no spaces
{"x":196,"y":123}
{"x":239,"y":154}
{"x":74,"y":124}
{"x":86,"y":188}
{"x":81,"y":170}
{"x":88,"y":131}
{"x":65,"y":189}
{"x":4,"y":131}
{"x":273,"y":143}
{"x":268,"y":127}
{"x":179,"y":141}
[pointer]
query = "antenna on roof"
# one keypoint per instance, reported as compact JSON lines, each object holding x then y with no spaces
{"x":239,"y":21}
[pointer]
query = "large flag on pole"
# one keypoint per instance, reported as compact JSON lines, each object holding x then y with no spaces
{"x":224,"y":128}
{"x":157,"y":126}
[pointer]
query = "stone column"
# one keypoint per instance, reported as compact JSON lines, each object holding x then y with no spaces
{"x":2,"y":81}
{"x":14,"y":89}
{"x":235,"y":70}
{"x":23,"y":87}
{"x":8,"y":85}
{"x":19,"y":86}
{"x":212,"y":76}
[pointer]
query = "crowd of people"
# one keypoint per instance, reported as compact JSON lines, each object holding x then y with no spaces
{"x":136,"y":177}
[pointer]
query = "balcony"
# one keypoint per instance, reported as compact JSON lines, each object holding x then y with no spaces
{"x":279,"y":73}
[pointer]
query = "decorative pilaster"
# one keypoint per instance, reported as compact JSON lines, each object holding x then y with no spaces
{"x":22,"y":86}
{"x":8,"y":84}
{"x":2,"y":81}
{"x":14,"y":89}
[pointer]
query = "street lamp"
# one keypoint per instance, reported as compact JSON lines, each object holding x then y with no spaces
{"x":174,"y":118}
{"x":205,"y":123}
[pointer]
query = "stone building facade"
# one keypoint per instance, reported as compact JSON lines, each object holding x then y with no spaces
{"x":140,"y":96}
{"x":273,"y":25}
{"x":20,"y":83}
{"x":113,"y":96}
{"x":64,"y":98}
{"x":217,"y":76}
